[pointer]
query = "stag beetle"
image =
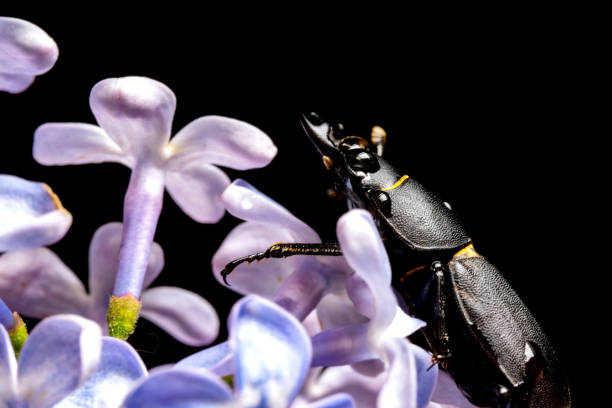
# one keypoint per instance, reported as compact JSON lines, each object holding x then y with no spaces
{"x":478,"y":329}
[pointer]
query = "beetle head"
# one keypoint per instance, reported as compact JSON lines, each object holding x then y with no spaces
{"x":349,"y":159}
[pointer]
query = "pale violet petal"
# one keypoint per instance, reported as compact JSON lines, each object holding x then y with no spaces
{"x":272,"y":352}
{"x":25,"y":48}
{"x":336,"y":309}
{"x":197,"y":189}
{"x":137,"y":113}
{"x":75,"y":143}
{"x":365,"y":253}
{"x":447,"y":394}
{"x":263,"y":278}
{"x":7,"y":319}
{"x":185,"y":315}
{"x":103,"y":261}
{"x":15,"y":83}
{"x":244,"y":201}
{"x":302,"y":291}
{"x":224,"y":141}
{"x":61,"y":352}
{"x":184,"y":387}
{"x":403,"y":325}
{"x":427,"y":376}
{"x":209,"y":358}
{"x":8,"y":367}
{"x":119,"y":369}
{"x":341,"y":345}
{"x":36,"y":283}
{"x":344,"y":379}
{"x":340,"y":400}
{"x":400,"y":389}
{"x":31,"y":215}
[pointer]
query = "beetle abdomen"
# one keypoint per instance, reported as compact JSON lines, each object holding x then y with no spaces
{"x":507,"y":331}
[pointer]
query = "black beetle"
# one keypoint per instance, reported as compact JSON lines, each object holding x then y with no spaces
{"x":478,"y":329}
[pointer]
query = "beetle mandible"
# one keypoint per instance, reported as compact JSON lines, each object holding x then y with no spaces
{"x":478,"y":329}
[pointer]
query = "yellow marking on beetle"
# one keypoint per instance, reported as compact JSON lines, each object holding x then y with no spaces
{"x":397,"y":183}
{"x":467,"y":252}
{"x":328,"y":162}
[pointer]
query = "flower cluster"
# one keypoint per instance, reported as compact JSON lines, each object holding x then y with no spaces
{"x":309,"y":331}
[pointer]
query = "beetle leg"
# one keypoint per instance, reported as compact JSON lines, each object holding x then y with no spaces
{"x":284,"y":250}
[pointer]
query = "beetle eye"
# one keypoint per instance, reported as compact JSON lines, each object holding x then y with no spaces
{"x":363,"y":161}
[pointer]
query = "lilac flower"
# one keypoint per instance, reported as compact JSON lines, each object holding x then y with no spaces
{"x":298,"y":283}
{"x":58,"y":356}
{"x":120,"y":369}
{"x":37,"y":283}
{"x":31,"y":215}
{"x":271,"y":355}
{"x":25,"y":52}
{"x":135,"y":117}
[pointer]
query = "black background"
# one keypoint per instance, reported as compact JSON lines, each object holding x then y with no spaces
{"x":489,"y":114}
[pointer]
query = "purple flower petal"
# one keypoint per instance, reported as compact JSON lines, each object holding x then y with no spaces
{"x":365,"y":253}
{"x":59,"y":355}
{"x":136,"y":112}
{"x":25,"y":51}
{"x":103,"y":263}
{"x":15,"y":83}
{"x":263,"y":278}
{"x":36,"y":283}
{"x":197,"y":189}
{"x":8,"y":367}
{"x":244,"y":201}
{"x":336,"y":309}
{"x":223,"y":141}
{"x":75,"y":143}
{"x":272,"y":352}
{"x":119,"y":369}
{"x":31,"y":215}
{"x":185,"y":315}
{"x":180,"y":388}
{"x":334,"y":401}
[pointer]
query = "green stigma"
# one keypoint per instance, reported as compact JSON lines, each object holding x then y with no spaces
{"x":122,"y":315}
{"x":18,"y":334}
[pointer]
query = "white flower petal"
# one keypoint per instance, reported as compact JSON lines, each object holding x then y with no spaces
{"x":31,"y":215}
{"x":25,"y":48}
{"x":223,"y":141}
{"x":75,"y":143}
{"x":136,"y":112}
{"x":197,"y":189}
{"x":185,"y":315}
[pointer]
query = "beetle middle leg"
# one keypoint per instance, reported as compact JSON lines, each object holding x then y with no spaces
{"x":284,"y":250}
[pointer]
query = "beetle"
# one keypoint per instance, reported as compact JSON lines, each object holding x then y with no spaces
{"x":478,"y":329}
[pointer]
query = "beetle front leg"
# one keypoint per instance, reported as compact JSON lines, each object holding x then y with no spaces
{"x":284,"y":250}
{"x":440,"y":330}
